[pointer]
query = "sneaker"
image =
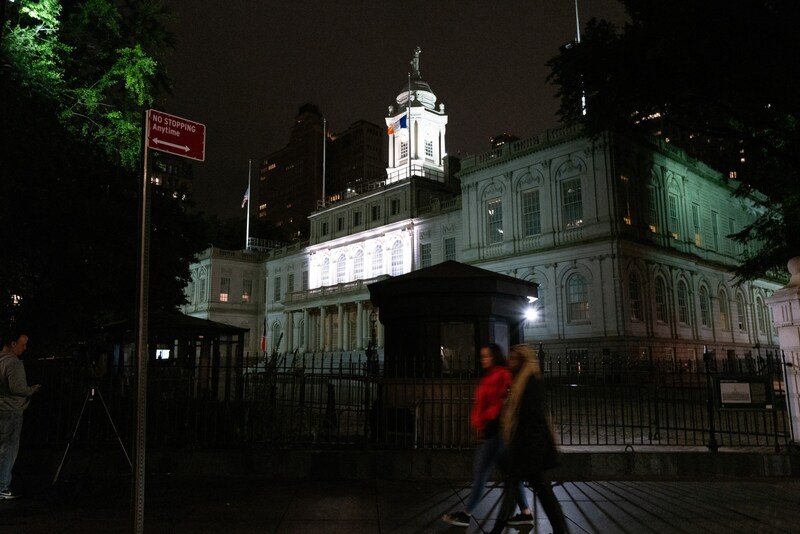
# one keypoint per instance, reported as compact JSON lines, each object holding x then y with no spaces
{"x":521,"y":519}
{"x":459,"y":519}
{"x":8,"y":494}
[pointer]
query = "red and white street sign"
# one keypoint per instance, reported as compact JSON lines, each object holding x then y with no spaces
{"x":175,"y":135}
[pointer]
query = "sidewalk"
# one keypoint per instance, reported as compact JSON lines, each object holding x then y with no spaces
{"x":255,"y":504}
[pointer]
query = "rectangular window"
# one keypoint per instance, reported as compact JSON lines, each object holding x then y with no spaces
{"x":403,"y":150}
{"x":290,"y":282}
{"x":715,"y":229}
{"x":673,"y":216}
{"x":572,"y":203}
{"x":494,"y":221}
{"x":626,"y":217}
{"x":429,"y":149}
{"x":731,"y":244}
{"x":698,"y":240}
{"x":339,"y":224}
{"x":395,"y":206}
{"x":531,"y":213}
{"x":424,"y":255}
{"x":652,"y":210}
{"x":305,"y":280}
{"x":247,"y":290}
{"x":376,"y":212}
{"x":276,"y":290}
{"x":450,"y":249}
{"x":324,"y":228}
{"x":224,"y":289}
{"x":356,"y":218}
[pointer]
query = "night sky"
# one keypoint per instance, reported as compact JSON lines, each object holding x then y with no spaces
{"x":244,"y":67}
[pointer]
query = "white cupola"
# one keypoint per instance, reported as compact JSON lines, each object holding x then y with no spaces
{"x":416,"y":128}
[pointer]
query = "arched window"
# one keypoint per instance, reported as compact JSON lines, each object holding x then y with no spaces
{"x":741,"y":313}
{"x":397,"y":258}
{"x":377,"y":261}
{"x":761,"y":316}
{"x":661,"y":300}
{"x":358,"y":265}
{"x":326,"y":272}
{"x":635,"y":296}
{"x":705,"y":307}
{"x":724,"y":310}
{"x":577,"y":299}
{"x":683,"y":303}
{"x":341,"y":265}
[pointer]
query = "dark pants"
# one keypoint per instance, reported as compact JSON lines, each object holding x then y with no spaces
{"x":544,"y":491}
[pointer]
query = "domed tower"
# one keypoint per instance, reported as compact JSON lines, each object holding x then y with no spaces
{"x":416,"y":127}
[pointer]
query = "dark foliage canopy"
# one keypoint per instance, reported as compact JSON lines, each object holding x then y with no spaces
{"x":76,"y":78}
{"x":720,"y":77}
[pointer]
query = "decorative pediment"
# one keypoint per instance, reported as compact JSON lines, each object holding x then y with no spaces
{"x":573,"y":166}
{"x":494,"y":189}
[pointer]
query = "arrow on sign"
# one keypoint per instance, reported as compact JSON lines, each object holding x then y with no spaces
{"x":158,"y":141}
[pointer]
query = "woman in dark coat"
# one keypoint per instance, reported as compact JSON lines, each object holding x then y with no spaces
{"x":530,"y":445}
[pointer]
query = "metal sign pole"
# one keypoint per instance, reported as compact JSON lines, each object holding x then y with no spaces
{"x":142,"y":349}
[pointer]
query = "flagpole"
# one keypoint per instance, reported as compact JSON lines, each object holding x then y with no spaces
{"x":408,"y":113}
{"x":324,"y":154}
{"x":247,"y":213}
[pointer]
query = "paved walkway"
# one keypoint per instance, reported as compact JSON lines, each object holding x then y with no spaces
{"x":252,"y":504}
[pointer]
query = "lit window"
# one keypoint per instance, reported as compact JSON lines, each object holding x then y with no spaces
{"x":635,"y":296}
{"x":572,"y":203}
{"x":341,"y":265}
{"x":698,"y":239}
{"x":724,"y":311}
{"x":424,"y":255}
{"x":673,"y":216}
{"x":741,"y":313}
{"x":397,"y":259}
{"x":276,"y":290}
{"x":358,"y":265}
{"x":705,"y":308}
{"x":531,"y":213}
{"x":377,"y":261}
{"x":224,"y":289}
{"x":577,"y":299}
{"x":652,"y":210}
{"x":247,"y":290}
{"x":325,"y":274}
{"x":761,"y":315}
{"x":494,"y":221}
{"x":450,"y":249}
{"x":683,"y":303}
{"x":661,"y":300}
{"x":290,"y":283}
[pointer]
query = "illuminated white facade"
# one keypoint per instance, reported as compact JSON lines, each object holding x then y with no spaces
{"x":627,"y":239}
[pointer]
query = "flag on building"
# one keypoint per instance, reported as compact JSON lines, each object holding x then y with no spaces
{"x":246,"y":196}
{"x":398,"y":125}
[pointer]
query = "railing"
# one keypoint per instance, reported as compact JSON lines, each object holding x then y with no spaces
{"x":347,"y":399}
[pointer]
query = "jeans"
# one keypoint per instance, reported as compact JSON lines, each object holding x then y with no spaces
{"x":10,"y":430}
{"x":486,"y":457}
{"x":544,"y":490}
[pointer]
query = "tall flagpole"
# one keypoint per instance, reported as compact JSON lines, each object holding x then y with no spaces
{"x":578,"y":41}
{"x":247,"y":214}
{"x":324,"y":154}
{"x":408,"y":119}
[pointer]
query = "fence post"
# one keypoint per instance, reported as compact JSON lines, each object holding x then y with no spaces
{"x":708,"y":358}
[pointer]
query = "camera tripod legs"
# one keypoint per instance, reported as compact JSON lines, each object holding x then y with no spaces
{"x":90,"y":393}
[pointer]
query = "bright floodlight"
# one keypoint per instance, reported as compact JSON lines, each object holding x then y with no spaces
{"x":531,"y":313}
{"x":531,"y":300}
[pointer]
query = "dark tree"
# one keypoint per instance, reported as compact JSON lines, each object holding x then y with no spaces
{"x":719,"y":78}
{"x":76,"y":78}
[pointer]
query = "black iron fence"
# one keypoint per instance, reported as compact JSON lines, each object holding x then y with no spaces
{"x":346,"y":400}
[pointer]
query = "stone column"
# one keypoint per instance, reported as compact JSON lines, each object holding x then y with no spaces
{"x":322,"y":321}
{"x":785,"y":305}
{"x":359,"y":321}
{"x":306,"y":330}
{"x":289,"y":326}
{"x":346,"y":329}
{"x":340,"y":328}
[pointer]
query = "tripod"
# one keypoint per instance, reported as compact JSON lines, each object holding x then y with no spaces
{"x":91,"y":392}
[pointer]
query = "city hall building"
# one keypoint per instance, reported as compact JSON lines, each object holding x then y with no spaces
{"x":626,"y":236}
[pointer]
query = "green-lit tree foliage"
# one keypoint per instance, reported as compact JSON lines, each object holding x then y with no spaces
{"x":76,"y":77}
{"x":719,"y":75}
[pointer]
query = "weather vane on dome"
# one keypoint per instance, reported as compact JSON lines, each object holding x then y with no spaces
{"x":415,"y":61}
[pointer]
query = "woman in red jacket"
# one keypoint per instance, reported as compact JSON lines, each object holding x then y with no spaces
{"x":484,"y":418}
